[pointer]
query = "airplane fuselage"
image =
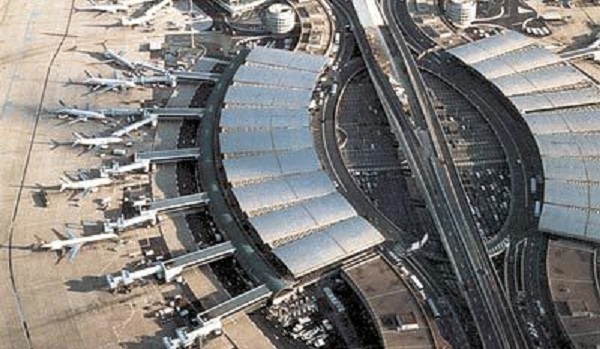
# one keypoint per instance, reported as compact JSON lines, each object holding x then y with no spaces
{"x":86,"y":184}
{"x":82,"y":114}
{"x":61,"y":244}
{"x":105,"y":8}
{"x":112,"y":83}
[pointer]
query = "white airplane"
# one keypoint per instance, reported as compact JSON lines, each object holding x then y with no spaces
{"x":133,"y":66}
{"x":93,"y":142}
{"x":110,"y":8}
{"x":79,"y":114}
{"x":147,"y":17}
{"x":118,"y":58}
{"x":71,"y":242}
{"x":86,"y":184}
{"x":100,"y":84}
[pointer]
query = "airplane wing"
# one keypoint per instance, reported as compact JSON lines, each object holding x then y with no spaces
{"x":71,"y":235}
{"x":105,"y":89}
{"x":86,"y":192}
{"x":73,"y":251}
{"x":76,"y":120}
{"x":59,"y":235}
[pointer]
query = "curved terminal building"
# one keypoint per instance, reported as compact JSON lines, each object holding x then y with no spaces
{"x":296,"y":217}
{"x":561,"y":107}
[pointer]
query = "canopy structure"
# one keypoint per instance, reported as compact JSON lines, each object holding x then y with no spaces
{"x":273,"y":168}
{"x":561,"y":106}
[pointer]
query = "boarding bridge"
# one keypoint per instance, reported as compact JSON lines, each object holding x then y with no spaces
{"x":210,"y":320}
{"x":125,"y":130}
{"x":195,"y":76}
{"x":149,"y":215}
{"x":118,"y":170}
{"x":171,"y":155}
{"x":169,"y":270}
{"x":179,"y":202}
{"x":175,"y":113}
{"x":122,"y":224}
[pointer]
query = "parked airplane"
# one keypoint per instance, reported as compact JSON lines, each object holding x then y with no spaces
{"x":78,"y":114}
{"x":100,"y":84}
{"x":71,"y":242}
{"x":86,"y":184}
{"x":118,"y":58}
{"x":147,"y":17}
{"x":92,"y":142}
{"x":110,"y":8}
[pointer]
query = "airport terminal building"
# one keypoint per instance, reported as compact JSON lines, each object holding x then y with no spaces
{"x":296,"y":216}
{"x":561,"y":107}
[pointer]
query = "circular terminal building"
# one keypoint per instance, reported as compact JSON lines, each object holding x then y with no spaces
{"x":279,"y":18}
{"x":560,"y":106}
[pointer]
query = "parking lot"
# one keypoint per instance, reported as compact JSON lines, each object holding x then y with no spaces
{"x":478,"y":156}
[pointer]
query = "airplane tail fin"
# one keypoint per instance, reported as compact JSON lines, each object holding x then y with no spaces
{"x":55,"y":144}
{"x":78,"y":137}
{"x":64,"y":182}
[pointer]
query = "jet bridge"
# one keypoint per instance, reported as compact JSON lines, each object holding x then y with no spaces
{"x":179,"y":202}
{"x":169,"y":270}
{"x":175,"y":113}
{"x":196,"y":76}
{"x":210,"y":320}
{"x":171,"y":155}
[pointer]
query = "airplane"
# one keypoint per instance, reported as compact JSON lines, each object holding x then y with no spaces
{"x":72,"y":243}
{"x":147,"y":17}
{"x":93,"y":142}
{"x":100,"y":84}
{"x":86,"y":184}
{"x":79,"y":114}
{"x":118,"y":58}
{"x":110,"y":8}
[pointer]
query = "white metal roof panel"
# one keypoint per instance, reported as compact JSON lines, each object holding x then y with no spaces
{"x":594,"y":191}
{"x":563,"y":220}
{"x":282,"y":191}
{"x":516,"y":61}
{"x":310,"y":253}
{"x":556,"y":99}
{"x":251,"y":95}
{"x":565,"y":168}
{"x":288,"y":59}
{"x":555,"y":77}
{"x":302,"y":217}
{"x":252,"y":168}
{"x":328,"y":246}
{"x":257,"y":121}
{"x":565,"y":193}
{"x":490,"y":47}
{"x":559,"y":144}
{"x":262,"y":75}
{"x":584,"y":120}
{"x":593,"y":169}
{"x":593,"y":226}
{"x":265,"y":141}
{"x":355,"y":235}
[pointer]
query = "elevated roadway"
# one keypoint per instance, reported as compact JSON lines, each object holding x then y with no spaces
{"x":491,"y":310}
{"x":429,"y":158}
